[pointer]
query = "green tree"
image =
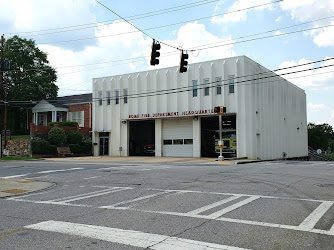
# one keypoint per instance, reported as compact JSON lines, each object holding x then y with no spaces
{"x":319,"y":135}
{"x":30,"y":78}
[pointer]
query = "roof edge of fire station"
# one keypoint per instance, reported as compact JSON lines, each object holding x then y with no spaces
{"x":197,"y":63}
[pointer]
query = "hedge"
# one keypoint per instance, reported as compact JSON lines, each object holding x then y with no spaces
{"x":74,"y":137}
{"x":57,"y":136}
{"x":85,"y":147}
{"x":39,"y":146}
{"x":65,"y":124}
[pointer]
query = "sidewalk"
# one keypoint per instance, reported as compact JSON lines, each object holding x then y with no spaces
{"x":152,"y":159}
{"x":11,"y":187}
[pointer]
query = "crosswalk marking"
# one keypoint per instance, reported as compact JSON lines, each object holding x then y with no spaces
{"x":216,"y":204}
{"x":232,"y":207}
{"x":315,"y":216}
{"x":130,"y":205}
{"x":127,"y":237}
{"x":134,"y":200}
{"x":58,"y":170}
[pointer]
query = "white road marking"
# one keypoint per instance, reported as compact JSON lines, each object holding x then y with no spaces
{"x":127,"y":237}
{"x":216,"y":204}
{"x":87,"y":195}
{"x":93,"y":177}
{"x":14,"y":176}
{"x":232,"y":207}
{"x":332,"y":229}
{"x":58,"y":170}
{"x":137,"y":199}
{"x":315,"y":216}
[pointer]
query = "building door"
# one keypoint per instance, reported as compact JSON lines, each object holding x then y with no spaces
{"x":177,"y":137}
{"x":104,"y":144}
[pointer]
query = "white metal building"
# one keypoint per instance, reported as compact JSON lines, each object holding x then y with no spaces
{"x":172,"y":113}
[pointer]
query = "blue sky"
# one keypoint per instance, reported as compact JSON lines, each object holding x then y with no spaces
{"x":99,"y":50}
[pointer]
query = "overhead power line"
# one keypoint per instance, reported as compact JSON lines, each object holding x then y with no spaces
{"x":134,"y":17}
{"x":190,"y":88}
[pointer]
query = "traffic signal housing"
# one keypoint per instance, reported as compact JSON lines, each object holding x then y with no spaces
{"x":183,"y":62}
{"x":155,"y":53}
{"x":219,"y":109}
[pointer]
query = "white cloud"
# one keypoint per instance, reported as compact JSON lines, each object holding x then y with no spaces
{"x":278,"y":33}
{"x":309,"y":10}
{"x":316,"y":107}
{"x":239,"y":10}
{"x":278,"y":19}
{"x":116,"y":48}
{"x":45,"y":16}
{"x":330,"y":119}
{"x":317,"y":79}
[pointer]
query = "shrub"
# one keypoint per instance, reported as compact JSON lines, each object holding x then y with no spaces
{"x":74,"y":137}
{"x":65,"y":124}
{"x":39,"y":146}
{"x":84,"y":147}
{"x":57,"y":136}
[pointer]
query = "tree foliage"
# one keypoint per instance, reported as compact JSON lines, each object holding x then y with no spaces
{"x":30,"y":76}
{"x":319,"y":135}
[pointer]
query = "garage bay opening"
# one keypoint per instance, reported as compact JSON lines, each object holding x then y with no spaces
{"x":210,"y":136}
{"x":142,"y":138}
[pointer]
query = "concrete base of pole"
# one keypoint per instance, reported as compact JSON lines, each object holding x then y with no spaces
{"x":220,"y":158}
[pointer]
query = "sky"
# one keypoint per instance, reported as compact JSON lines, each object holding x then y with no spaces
{"x":85,"y":40}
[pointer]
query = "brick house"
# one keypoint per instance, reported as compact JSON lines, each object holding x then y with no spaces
{"x":76,"y":108}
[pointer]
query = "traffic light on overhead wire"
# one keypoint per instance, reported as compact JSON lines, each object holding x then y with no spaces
{"x":183,"y":62}
{"x":155,"y":53}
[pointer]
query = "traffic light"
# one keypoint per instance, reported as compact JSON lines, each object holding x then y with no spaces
{"x":155,"y":53}
{"x":183,"y":62}
{"x":219,"y":109}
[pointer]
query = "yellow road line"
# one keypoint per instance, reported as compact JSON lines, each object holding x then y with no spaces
{"x":16,"y":231}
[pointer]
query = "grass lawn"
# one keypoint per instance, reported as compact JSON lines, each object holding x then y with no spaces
{"x":20,"y":137}
{"x":11,"y":158}
{"x":328,"y":156}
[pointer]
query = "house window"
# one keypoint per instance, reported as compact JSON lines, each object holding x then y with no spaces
{"x":108,"y":97}
{"x":117,"y":96}
{"x":194,"y":88}
{"x":77,"y":116}
{"x":59,"y":117}
{"x":206,"y":89}
{"x":219,"y":85}
{"x":231,"y":84}
{"x":125,"y":95}
{"x":40,"y":119}
{"x":100,"y":98}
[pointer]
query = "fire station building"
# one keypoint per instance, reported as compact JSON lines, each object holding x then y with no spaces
{"x":165,"y":113}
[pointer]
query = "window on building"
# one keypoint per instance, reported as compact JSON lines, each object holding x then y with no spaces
{"x":195,"y":88}
{"x":168,"y":142}
{"x":219,"y":85}
{"x":100,"y":98}
{"x":59,"y":117}
{"x":77,"y":116}
{"x":125,"y":95}
{"x":177,"y":141}
{"x":188,"y":141}
{"x":108,"y":97}
{"x":40,"y":119}
{"x":117,"y":96}
{"x":206,"y":88}
{"x":231,"y":84}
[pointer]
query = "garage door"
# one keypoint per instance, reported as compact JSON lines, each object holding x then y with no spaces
{"x":177,"y":137}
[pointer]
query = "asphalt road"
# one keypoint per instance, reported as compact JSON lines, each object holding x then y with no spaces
{"x":129,"y":205}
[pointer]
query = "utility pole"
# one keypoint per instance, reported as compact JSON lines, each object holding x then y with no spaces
{"x":1,"y":90}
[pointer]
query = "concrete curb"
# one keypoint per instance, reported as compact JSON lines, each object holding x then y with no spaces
{"x":15,"y":187}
